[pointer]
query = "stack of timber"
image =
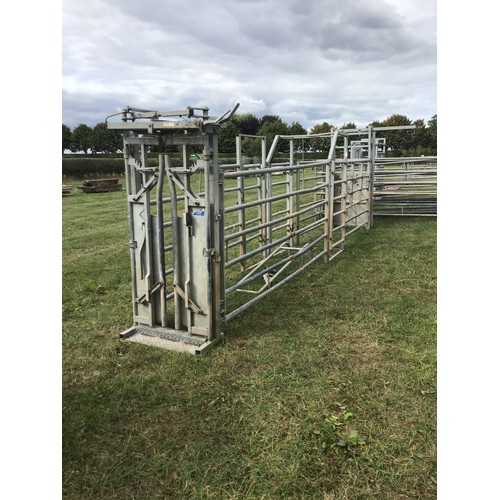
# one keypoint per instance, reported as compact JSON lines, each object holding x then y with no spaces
{"x":100,"y":186}
{"x":66,"y":190}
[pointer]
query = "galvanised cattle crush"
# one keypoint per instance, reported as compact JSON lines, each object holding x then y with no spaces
{"x":207,"y":241}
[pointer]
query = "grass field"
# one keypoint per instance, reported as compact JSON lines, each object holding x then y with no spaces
{"x":324,"y":390}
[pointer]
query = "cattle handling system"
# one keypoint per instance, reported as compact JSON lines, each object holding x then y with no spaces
{"x":207,"y":241}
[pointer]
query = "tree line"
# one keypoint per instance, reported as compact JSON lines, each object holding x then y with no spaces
{"x":421,"y":140}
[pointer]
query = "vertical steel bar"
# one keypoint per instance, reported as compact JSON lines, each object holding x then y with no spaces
{"x":297,"y":196}
{"x":330,"y":206}
{"x":184,"y":157}
{"x":146,"y":252}
{"x":328,"y":210}
{"x":289,"y":199}
{"x":372,"y":148}
{"x":343,"y":217}
{"x":241,"y":200}
{"x":209,"y":211}
{"x":160,"y":239}
{"x":352,"y":200}
{"x":262,"y":195}
{"x":129,"y":153}
{"x":175,"y":246}
{"x":267,"y":194}
{"x":214,"y":197}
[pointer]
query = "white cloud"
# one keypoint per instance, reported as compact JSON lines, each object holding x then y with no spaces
{"x":324,"y":60}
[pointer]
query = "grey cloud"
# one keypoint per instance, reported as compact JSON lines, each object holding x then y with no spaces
{"x":371,"y":16}
{"x":324,"y":60}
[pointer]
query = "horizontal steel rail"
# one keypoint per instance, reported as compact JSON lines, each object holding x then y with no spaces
{"x":405,"y":186}
{"x":303,"y":204}
{"x":265,"y":293}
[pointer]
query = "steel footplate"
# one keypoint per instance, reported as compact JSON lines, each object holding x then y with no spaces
{"x":168,"y":338}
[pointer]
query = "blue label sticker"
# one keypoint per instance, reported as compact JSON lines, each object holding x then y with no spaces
{"x":199,"y":212}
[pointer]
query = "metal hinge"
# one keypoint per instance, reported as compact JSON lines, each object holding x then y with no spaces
{"x":209,"y":252}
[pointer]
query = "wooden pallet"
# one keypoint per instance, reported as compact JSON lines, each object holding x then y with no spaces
{"x":100,"y":186}
{"x":66,"y":190}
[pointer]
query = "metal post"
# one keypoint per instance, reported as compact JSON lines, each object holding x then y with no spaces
{"x":372,"y":152}
{"x":241,"y":201}
{"x":289,"y":199}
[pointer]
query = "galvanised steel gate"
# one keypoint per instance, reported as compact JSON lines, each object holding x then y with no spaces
{"x":405,"y":186}
{"x":207,"y":241}
{"x":287,"y":215}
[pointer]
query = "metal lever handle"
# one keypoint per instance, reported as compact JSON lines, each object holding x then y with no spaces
{"x":225,"y":116}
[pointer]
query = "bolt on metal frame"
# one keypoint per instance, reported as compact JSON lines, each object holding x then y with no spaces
{"x":226,"y":236}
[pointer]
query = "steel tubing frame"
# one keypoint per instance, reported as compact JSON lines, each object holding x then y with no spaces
{"x":405,"y":186}
{"x":247,"y":228}
{"x":304,"y":204}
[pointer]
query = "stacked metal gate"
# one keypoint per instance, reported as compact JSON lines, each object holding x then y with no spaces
{"x":207,"y":241}
{"x":405,"y":186}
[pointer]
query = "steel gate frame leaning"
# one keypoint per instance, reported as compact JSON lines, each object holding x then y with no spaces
{"x":295,"y":213}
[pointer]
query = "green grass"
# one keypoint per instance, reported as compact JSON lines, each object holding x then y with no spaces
{"x":348,"y":346}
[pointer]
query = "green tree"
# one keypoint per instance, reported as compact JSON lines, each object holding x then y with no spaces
{"x":349,"y":125}
{"x":269,"y":119}
{"x":252,"y":147}
{"x":103,"y":140}
{"x":432,"y":129}
{"x":317,"y":143}
{"x":297,"y":129}
{"x":66,"y":138}
{"x":270,"y":129}
{"x":419,"y":138}
{"x":397,"y":141}
{"x":80,"y":138}
{"x":227,"y":138}
{"x":246,"y":123}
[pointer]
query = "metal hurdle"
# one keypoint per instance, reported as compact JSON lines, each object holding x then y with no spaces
{"x":406,"y":186}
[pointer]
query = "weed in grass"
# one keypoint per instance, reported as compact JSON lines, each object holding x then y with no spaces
{"x":336,"y":433}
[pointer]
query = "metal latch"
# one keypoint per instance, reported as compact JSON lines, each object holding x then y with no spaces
{"x":188,"y":221}
{"x":210,"y":252}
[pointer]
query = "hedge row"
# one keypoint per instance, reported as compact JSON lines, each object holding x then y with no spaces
{"x":80,"y":168}
{"x":85,"y":167}
{"x":95,"y":167}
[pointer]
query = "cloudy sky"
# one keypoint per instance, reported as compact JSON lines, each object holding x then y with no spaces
{"x":308,"y":61}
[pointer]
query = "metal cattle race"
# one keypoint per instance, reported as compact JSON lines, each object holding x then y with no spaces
{"x":207,"y":241}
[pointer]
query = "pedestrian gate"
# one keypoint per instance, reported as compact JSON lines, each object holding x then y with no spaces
{"x":208,"y":240}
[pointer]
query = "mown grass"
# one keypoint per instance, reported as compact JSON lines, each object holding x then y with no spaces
{"x":352,"y":342}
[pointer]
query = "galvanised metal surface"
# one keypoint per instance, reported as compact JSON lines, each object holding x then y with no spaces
{"x":287,"y":215}
{"x":196,"y":231}
{"x":405,"y":186}
{"x":207,"y":241}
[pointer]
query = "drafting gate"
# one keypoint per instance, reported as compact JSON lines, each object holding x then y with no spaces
{"x":208,"y":240}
